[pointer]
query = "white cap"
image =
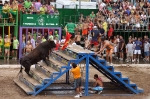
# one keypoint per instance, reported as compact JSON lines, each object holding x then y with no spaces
{"x":95,"y":27}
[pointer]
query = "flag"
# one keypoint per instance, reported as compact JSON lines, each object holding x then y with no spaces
{"x":68,"y":35}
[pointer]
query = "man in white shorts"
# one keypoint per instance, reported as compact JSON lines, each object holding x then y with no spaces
{"x":137,"y":51}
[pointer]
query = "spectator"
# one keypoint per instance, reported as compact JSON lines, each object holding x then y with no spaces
{"x":32,"y":42}
{"x":137,"y":51}
{"x":121,"y":47}
{"x":57,"y":44}
{"x":28,"y":47}
{"x":5,"y":12}
{"x":62,"y":40}
{"x":38,"y":5}
{"x":70,"y":27}
{"x":92,"y":15}
{"x":15,"y":48}
{"x":110,"y":32}
{"x":43,"y":39}
{"x":85,"y":28}
{"x":129,"y":51}
{"x":78,"y":38}
{"x":51,"y":36}
{"x":7,"y":47}
{"x":1,"y":43}
{"x":27,"y":4}
{"x":43,"y":9}
{"x":146,"y":50}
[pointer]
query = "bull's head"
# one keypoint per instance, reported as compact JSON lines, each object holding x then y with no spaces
{"x":52,"y":44}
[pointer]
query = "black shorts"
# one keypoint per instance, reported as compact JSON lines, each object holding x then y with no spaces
{"x":78,"y":82}
{"x":72,"y":35}
{"x":120,"y":50}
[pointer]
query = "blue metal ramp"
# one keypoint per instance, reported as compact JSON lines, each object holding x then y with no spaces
{"x":59,"y":64}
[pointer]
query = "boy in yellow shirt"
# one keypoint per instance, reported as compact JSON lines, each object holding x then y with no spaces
{"x":77,"y":76}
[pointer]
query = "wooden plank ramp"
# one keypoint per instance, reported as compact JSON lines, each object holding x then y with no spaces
{"x":31,"y":80}
{"x":23,"y":86}
{"x":63,"y":55}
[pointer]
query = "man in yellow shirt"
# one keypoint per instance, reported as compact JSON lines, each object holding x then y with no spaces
{"x":77,"y":76}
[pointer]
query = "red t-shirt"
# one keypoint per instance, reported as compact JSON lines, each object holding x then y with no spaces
{"x":91,"y":26}
{"x":110,"y":32}
{"x":57,"y":46}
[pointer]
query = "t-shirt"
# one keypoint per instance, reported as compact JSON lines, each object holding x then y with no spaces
{"x":42,"y":10}
{"x":101,"y":30}
{"x":43,"y":40}
{"x":121,"y":42}
{"x":15,"y":44}
{"x":130,"y":47}
{"x":51,"y":37}
{"x":37,"y":5}
{"x":92,"y":16}
{"x":71,"y":27}
{"x":27,"y":4}
{"x":33,"y":42}
{"x":76,"y":72}
{"x":95,"y":35}
{"x":138,"y":45}
{"x":146,"y":47}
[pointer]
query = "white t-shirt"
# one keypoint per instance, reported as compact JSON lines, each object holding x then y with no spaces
{"x":33,"y":42}
{"x":63,"y":41}
{"x":130,"y":47}
{"x":146,"y":47}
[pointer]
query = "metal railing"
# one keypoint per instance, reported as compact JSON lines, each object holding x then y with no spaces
{"x":9,"y":18}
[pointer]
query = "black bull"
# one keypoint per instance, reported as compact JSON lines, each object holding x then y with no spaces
{"x":41,"y":52}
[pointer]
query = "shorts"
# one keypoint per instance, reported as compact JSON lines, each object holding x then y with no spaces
{"x":72,"y":35}
{"x":15,"y":49}
{"x":129,"y":53}
{"x":109,"y":51}
{"x":97,"y":88}
{"x":84,"y":31}
{"x":94,"y":42}
{"x":120,"y":50}
{"x":146,"y":53}
{"x":137,"y":51}
{"x":77,"y":83}
{"x":115,"y":49}
{"x":7,"y":47}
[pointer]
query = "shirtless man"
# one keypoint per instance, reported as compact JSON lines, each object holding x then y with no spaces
{"x":110,"y":49}
{"x":98,"y":85}
{"x":85,"y":27}
{"x":78,"y":38}
{"x":28,"y":48}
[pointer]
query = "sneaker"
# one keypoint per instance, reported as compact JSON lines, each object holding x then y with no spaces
{"x":77,"y":96}
{"x":80,"y":94}
{"x":111,"y":64}
{"x":137,"y":60}
{"x":133,"y":60}
{"x":121,"y":59}
{"x":99,"y":92}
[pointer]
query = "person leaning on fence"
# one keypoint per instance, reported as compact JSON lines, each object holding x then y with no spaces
{"x":77,"y":76}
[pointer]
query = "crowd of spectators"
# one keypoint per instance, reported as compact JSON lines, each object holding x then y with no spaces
{"x":9,"y":11}
{"x":124,"y":14}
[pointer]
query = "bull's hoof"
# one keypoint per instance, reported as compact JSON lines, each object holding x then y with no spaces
{"x":30,"y":75}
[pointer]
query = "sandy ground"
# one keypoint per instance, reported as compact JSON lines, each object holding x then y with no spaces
{"x":9,"y":90}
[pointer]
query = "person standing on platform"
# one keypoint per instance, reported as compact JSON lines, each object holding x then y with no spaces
{"x":33,"y":41}
{"x":77,"y":76}
{"x":70,"y":27}
{"x":15,"y":47}
{"x":1,"y":43}
{"x":7,"y":47}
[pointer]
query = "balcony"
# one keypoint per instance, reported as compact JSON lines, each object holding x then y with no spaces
{"x":8,"y":19}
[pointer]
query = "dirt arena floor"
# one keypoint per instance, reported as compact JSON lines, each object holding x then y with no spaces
{"x":140,"y":76}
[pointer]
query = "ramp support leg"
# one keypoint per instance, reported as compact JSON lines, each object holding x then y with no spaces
{"x":67,"y":77}
{"x":87,"y":76}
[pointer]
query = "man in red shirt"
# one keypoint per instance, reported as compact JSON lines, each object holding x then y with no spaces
{"x":91,"y":25}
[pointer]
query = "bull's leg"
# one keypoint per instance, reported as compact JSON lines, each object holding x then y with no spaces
{"x":44,"y":59}
{"x":27,"y":68}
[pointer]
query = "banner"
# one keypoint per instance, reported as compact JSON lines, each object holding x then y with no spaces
{"x":40,"y":20}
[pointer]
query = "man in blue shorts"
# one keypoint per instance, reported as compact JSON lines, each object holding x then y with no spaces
{"x":98,"y":85}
